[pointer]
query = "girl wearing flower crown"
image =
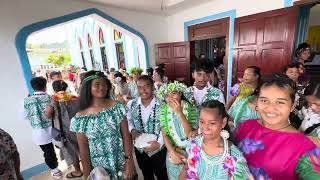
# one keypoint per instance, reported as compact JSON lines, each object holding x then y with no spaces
{"x":102,"y":130}
{"x":211,"y":155}
{"x":177,"y":117}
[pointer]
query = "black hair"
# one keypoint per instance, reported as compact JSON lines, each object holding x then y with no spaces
{"x":59,"y":85}
{"x":145,"y":78}
{"x":203,"y":64}
{"x":54,"y":73}
{"x":313,"y":89}
{"x":161,"y":65}
{"x":289,"y":66}
{"x":112,"y":70}
{"x":160,"y":72}
{"x":302,"y":47}
{"x":38,"y":83}
{"x":119,"y":74}
{"x":282,"y":81}
{"x":256,"y":70}
{"x":85,"y":92}
{"x":150,"y":71}
{"x":214,"y":104}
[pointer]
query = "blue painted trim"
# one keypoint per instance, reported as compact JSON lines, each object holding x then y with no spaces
{"x":232,"y":15}
{"x":35,"y":170}
{"x":23,"y":34}
{"x":287,"y":3}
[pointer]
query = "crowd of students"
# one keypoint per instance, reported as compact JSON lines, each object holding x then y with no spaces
{"x":269,"y":128}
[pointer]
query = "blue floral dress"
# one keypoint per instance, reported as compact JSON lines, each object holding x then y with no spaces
{"x":104,"y":137}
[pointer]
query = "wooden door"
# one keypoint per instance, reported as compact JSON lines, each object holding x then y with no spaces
{"x":265,"y":40}
{"x":176,"y":57}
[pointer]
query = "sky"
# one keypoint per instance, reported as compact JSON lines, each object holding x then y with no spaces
{"x":50,"y":35}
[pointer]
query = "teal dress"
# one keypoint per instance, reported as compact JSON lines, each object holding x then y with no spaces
{"x":244,"y":112}
{"x":173,"y":128}
{"x":104,"y":137}
{"x":234,"y":166}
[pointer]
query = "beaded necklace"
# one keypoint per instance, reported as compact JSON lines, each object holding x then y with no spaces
{"x":153,"y":120}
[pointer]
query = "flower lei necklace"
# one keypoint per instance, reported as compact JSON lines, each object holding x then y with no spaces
{"x":63,"y":97}
{"x":196,"y":153}
{"x":167,"y":121}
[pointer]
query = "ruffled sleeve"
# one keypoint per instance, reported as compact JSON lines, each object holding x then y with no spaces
{"x":79,"y":124}
{"x":308,"y":166}
{"x":235,"y":90}
{"x":236,"y":165}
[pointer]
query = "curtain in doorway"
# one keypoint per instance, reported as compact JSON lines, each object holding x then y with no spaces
{"x":302,"y":24}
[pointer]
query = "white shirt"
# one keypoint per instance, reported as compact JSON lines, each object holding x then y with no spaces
{"x":200,"y":94}
{"x":145,"y":113}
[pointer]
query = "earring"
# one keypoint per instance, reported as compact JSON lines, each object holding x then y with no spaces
{"x":224,"y":134}
{"x":256,"y":108}
{"x":199,"y":131}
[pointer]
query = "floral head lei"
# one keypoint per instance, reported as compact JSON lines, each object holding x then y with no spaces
{"x":97,"y":75}
{"x":171,"y":87}
{"x":136,"y":70}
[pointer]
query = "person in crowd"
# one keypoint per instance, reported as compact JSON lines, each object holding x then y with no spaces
{"x":133,"y":91}
{"x":120,"y":87}
{"x":111,"y":74}
{"x":292,"y":71}
{"x":273,"y":148}
{"x":62,"y":108}
{"x":9,"y":158}
{"x":210,"y":154}
{"x":311,"y":113}
{"x":178,"y":118}
{"x":163,"y":66}
{"x":143,"y":117}
{"x":158,"y":78}
{"x":215,"y":80}
{"x":102,"y":131}
{"x":239,"y":92}
{"x":56,"y":75}
{"x":202,"y":91}
{"x":149,"y":71}
{"x":34,"y":107}
{"x":302,"y":54}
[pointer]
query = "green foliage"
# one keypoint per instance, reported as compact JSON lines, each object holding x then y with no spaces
{"x":59,"y":60}
{"x":136,"y":70}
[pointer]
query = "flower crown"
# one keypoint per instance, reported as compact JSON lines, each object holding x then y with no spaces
{"x":171,"y":87}
{"x":136,"y":70}
{"x":94,"y":76}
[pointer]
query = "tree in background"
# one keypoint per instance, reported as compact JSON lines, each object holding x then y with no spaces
{"x":59,"y":60}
